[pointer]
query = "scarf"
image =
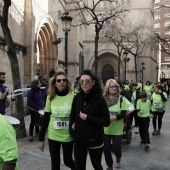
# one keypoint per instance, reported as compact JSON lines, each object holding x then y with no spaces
{"x":112,"y":101}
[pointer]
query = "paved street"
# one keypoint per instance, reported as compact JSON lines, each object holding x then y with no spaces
{"x":134,"y":156}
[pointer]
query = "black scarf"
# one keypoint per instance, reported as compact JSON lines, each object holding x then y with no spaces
{"x":62,"y":93}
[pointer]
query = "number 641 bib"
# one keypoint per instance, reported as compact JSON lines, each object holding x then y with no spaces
{"x":61,"y":123}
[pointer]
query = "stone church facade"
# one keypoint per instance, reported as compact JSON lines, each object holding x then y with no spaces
{"x":35,"y":24}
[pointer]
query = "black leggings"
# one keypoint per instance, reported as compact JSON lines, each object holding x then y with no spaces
{"x":81,"y":156}
{"x":54,"y":148}
{"x":33,"y":115}
{"x":112,"y":143}
{"x":134,"y":114}
{"x":154,"y":120}
{"x":10,"y":165}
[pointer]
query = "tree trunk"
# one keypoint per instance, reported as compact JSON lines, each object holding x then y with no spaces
{"x":19,"y":112}
{"x":96,"y":50}
{"x":135,"y":57}
{"x":119,"y":66}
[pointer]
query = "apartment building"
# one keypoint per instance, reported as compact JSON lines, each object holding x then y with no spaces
{"x":162,"y":28}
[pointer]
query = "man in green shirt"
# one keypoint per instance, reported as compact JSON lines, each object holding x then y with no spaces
{"x":8,"y":146}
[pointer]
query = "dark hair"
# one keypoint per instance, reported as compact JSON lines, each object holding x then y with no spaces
{"x":34,"y":84}
{"x":133,"y":84}
{"x":148,"y":82}
{"x":160,"y":87}
{"x":78,"y":78}
{"x":143,"y":94}
{"x":97,"y":85}
{"x":2,"y":73}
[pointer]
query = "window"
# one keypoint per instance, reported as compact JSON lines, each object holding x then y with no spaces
{"x":156,"y":9}
{"x":157,"y":17}
{"x":167,"y":49}
{"x":167,"y":15}
{"x":167,"y":40}
{"x":167,"y":58}
{"x":167,"y":24}
{"x":167,"y":6}
{"x":158,"y":33}
{"x":157,"y":1}
{"x":167,"y":33}
{"x":157,"y":25}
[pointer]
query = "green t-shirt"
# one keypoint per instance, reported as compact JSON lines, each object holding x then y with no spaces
{"x":116,"y":127}
{"x":8,"y":143}
{"x":139,"y":86}
{"x":158,"y":104}
{"x":133,"y":98}
{"x":126,"y":87}
{"x":77,"y":89}
{"x":148,"y":89}
{"x":145,"y":107}
{"x":60,"y":108}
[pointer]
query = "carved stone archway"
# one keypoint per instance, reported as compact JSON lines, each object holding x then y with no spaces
{"x":46,"y":51}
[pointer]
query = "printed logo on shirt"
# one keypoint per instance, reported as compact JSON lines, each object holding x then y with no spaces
{"x":62,"y":109}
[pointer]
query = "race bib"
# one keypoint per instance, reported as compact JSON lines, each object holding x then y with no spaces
{"x":133,"y":102}
{"x":157,"y":105}
{"x":61,"y":123}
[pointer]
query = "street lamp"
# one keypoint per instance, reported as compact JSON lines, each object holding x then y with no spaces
{"x":157,"y":69}
{"x":143,"y":68}
{"x":66,"y":25}
{"x":125,"y":59}
{"x":163,"y":75}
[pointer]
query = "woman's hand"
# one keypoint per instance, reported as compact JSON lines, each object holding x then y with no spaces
{"x":83,"y":116}
{"x":41,"y":145}
{"x":113,"y":118}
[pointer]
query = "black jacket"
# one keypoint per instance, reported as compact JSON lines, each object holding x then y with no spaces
{"x":89,"y":132}
{"x":129,"y":96}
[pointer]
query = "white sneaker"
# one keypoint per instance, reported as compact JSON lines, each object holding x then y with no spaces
{"x":118,"y":164}
{"x":136,"y":130}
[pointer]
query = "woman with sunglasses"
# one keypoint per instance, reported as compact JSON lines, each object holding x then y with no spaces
{"x":56,"y":118}
{"x":88,"y":116}
{"x":118,"y":105}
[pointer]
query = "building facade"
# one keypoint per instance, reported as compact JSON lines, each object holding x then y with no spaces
{"x":162,"y":28}
{"x":35,"y":24}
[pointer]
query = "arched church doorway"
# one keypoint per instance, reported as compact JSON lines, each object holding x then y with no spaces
{"x":107,"y":73}
{"x":46,"y":54}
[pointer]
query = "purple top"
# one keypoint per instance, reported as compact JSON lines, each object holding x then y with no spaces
{"x":2,"y":102}
{"x":34,"y":99}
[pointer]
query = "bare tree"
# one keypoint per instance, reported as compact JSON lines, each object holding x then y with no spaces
{"x":19,"y":113}
{"x":97,"y":12}
{"x":136,"y":43}
{"x":117,"y":37}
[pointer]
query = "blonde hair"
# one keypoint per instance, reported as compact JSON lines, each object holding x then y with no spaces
{"x":53,"y":89}
{"x":106,"y":90}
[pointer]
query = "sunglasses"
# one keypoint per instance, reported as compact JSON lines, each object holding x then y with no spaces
{"x":61,"y":80}
{"x":84,"y":82}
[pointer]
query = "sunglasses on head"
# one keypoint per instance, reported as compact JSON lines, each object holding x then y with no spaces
{"x":84,"y":82}
{"x":61,"y":80}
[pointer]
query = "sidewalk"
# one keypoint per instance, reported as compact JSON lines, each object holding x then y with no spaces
{"x":134,"y":157}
